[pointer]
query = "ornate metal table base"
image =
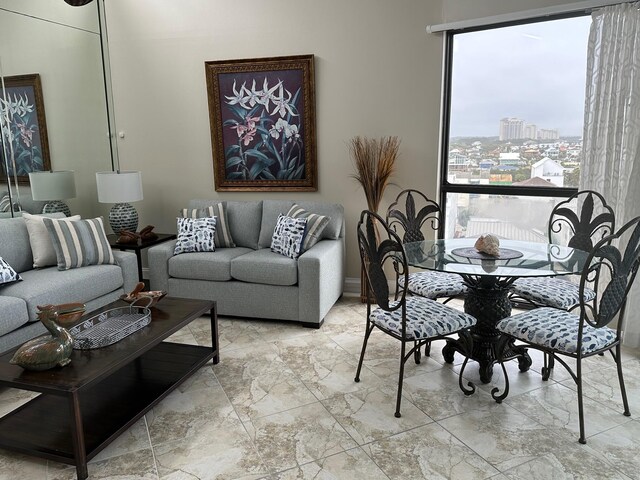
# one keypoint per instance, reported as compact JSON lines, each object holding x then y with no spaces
{"x":488,"y":301}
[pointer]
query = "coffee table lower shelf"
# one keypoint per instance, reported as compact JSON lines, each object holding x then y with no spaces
{"x":44,"y":426}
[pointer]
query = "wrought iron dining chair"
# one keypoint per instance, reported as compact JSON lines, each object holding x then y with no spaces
{"x":414,"y":319}
{"x":591,"y":220}
{"x":410,"y":215}
{"x":580,"y":229}
{"x":584,"y":333}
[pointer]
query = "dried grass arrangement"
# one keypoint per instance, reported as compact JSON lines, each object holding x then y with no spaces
{"x":374,"y":160}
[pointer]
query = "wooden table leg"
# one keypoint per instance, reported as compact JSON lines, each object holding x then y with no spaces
{"x":214,"y":334}
{"x":77,"y":434}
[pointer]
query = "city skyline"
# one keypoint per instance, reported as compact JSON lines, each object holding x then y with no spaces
{"x":535,"y":72}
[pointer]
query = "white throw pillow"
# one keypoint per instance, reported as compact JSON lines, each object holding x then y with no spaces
{"x":42,"y":249}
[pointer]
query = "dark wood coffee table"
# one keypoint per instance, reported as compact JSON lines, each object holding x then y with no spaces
{"x":90,"y":402}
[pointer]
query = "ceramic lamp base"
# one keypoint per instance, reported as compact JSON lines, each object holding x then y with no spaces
{"x":56,"y":206}
{"x":123,"y":216}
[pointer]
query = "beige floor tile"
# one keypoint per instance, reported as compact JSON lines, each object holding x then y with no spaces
{"x":563,"y":464}
{"x":602,"y":386}
{"x":428,"y":452}
{"x":200,"y":413}
{"x":15,"y":466}
{"x":368,"y":415}
{"x":298,"y":436}
{"x":12,"y":398}
{"x":138,"y":465}
{"x":438,"y":394}
{"x":502,"y":435}
{"x":620,"y":446}
{"x":229,"y":456}
{"x":557,"y":406}
{"x":134,"y":439}
{"x":350,"y":465}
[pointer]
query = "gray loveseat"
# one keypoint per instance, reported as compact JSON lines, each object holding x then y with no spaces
{"x":94,"y":285}
{"x":250,"y":280}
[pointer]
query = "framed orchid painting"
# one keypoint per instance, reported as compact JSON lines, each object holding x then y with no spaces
{"x":262,"y":118}
{"x":24,"y":146}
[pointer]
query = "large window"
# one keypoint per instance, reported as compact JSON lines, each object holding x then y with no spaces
{"x":514,"y":100}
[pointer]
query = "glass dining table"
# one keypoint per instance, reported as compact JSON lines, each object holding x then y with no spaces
{"x":488,"y":280}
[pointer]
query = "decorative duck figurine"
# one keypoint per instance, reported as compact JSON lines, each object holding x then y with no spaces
{"x":47,"y":351}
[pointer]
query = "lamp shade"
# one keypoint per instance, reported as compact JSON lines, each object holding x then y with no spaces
{"x":58,"y":185}
{"x":119,"y":187}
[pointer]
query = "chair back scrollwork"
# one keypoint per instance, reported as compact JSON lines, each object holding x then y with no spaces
{"x":378,"y":246}
{"x":581,"y":229}
{"x":618,"y":270}
{"x":409,"y":214}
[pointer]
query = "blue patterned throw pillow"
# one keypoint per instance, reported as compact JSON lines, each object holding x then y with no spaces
{"x":196,"y":235}
{"x":7,"y":274}
{"x":288,"y":236}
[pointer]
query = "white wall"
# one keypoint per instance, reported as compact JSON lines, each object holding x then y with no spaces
{"x":62,"y":44}
{"x":377,"y":73}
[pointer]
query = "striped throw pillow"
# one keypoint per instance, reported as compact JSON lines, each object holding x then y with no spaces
{"x":5,"y":203}
{"x":79,"y":243}
{"x":223,"y":234}
{"x":315,"y":225}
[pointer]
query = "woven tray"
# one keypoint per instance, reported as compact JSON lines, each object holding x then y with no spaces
{"x":109,"y":327}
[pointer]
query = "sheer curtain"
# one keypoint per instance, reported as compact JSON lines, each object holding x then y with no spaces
{"x":611,"y":138}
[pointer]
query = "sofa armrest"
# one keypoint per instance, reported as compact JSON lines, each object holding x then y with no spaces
{"x":128,"y":262}
{"x":321,"y":279}
{"x":158,"y":257}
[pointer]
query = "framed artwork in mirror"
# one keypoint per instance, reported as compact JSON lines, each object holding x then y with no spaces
{"x":262,"y":120}
{"x":24,"y":142}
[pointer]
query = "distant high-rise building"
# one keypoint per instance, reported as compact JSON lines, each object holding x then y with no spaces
{"x":548,"y":134}
{"x":530,"y":131}
{"x":511,"y":129}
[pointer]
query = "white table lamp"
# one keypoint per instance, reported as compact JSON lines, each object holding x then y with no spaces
{"x":53,"y":187}
{"x":120,"y":188}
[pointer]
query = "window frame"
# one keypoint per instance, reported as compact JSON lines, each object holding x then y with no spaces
{"x":445,"y":186}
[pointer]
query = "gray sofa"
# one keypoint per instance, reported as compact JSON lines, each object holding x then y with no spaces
{"x":27,"y":204}
{"x":94,"y":285}
{"x":250,"y":280}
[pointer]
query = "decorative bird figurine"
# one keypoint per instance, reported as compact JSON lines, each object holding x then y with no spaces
{"x":47,"y":351}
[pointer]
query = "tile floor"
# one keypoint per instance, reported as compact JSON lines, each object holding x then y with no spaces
{"x":282,"y":404}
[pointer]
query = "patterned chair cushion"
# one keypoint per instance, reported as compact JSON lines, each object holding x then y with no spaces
{"x":551,"y":292}
{"x":425,"y":319}
{"x":434,"y":285}
{"x":556,"y":329}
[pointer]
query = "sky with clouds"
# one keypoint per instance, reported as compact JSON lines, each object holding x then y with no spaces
{"x":534,"y":72}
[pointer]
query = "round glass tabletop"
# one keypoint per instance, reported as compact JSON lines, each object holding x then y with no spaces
{"x":455,"y":255}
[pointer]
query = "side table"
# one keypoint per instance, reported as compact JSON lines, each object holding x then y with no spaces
{"x":137,"y":247}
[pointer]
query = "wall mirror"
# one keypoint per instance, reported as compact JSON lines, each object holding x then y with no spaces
{"x":61,"y":46}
